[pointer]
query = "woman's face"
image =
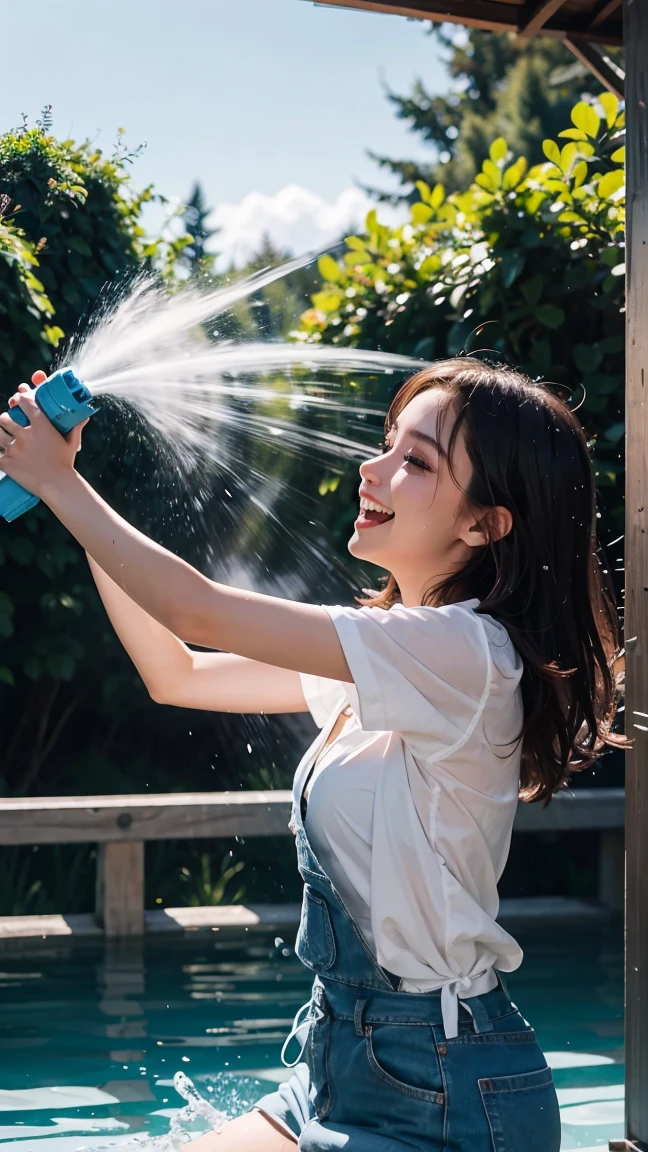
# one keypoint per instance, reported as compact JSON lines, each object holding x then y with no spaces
{"x":424,"y":529}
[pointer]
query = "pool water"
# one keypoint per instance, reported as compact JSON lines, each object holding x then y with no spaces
{"x":91,"y":1036}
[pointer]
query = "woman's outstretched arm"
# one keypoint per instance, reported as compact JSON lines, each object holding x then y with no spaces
{"x":174,"y":674}
{"x":273,"y":631}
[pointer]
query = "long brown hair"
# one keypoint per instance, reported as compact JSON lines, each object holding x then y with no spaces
{"x":544,"y":581}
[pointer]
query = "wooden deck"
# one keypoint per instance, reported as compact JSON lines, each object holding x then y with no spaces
{"x":120,"y":826}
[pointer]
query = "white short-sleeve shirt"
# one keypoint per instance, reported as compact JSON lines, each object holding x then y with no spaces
{"x":410,"y":809}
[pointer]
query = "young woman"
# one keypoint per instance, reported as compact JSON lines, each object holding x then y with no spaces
{"x":482,"y":671}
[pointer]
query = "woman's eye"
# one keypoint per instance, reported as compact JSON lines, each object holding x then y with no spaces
{"x":384,"y":446}
{"x":416,"y":462}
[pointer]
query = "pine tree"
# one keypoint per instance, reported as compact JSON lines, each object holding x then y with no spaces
{"x":194,"y":218}
{"x":502,"y":85}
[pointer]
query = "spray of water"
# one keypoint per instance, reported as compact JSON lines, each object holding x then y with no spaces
{"x":196,"y":1107}
{"x":151,"y":350}
{"x":195,"y":1117}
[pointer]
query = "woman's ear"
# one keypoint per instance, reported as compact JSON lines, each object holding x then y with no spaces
{"x":493,"y":525}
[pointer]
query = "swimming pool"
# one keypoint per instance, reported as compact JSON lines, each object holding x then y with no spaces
{"x":90,"y":1037}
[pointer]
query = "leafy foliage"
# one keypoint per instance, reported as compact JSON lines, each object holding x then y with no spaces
{"x":526,"y":262}
{"x":78,"y":221}
{"x":40,"y":880}
{"x":69,"y":224}
{"x":503,"y":85}
{"x":207,"y":887}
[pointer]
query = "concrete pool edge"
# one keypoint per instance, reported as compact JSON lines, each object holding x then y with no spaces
{"x":208,"y":919}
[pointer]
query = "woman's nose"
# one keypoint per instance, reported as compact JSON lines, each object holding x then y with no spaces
{"x":369,"y":470}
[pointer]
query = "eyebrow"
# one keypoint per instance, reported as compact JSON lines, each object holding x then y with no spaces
{"x":417,"y":435}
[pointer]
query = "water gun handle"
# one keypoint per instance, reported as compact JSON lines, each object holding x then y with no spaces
{"x":14,"y":499}
{"x":18,"y":416}
{"x":66,"y":402}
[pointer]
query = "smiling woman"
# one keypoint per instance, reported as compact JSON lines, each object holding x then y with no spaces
{"x":483,"y":665}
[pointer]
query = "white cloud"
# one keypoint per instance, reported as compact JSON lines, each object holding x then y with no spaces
{"x":294,"y":217}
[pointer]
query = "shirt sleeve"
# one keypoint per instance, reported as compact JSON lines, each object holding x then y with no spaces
{"x":423,"y":672}
{"x":323,"y":697}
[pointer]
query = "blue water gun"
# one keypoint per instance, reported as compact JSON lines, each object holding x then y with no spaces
{"x":66,"y":402}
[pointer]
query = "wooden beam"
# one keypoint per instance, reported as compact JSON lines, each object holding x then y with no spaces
{"x":488,"y":14}
{"x":237,"y":917}
{"x":104,"y":819}
{"x":636,"y":617}
{"x":606,"y":72}
{"x":173,"y":921}
{"x":194,"y":815}
{"x":535,"y":16}
{"x":606,"y":9}
{"x":52,"y":924}
{"x":493,"y":15}
{"x":222,"y":916}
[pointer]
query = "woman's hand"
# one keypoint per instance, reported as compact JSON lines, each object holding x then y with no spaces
{"x":38,"y":455}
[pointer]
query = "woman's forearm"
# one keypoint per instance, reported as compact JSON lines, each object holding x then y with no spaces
{"x":278,"y":632}
{"x":155,"y":579}
{"x":176,"y":675}
{"x":160,"y":658}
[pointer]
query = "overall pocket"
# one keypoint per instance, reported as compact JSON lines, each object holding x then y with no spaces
{"x":315,"y":944}
{"x":522,"y":1112}
{"x":405,"y":1058}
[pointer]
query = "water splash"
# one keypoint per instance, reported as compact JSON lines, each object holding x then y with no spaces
{"x":240,"y":429}
{"x":195,"y":1118}
{"x":151,"y":349}
{"x":196,"y":1108}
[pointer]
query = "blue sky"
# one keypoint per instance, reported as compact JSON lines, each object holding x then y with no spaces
{"x":270,"y":103}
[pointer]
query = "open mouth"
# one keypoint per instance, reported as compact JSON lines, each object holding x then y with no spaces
{"x":372,"y":514}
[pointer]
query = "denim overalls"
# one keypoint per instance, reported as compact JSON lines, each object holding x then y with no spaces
{"x":380,"y":1075}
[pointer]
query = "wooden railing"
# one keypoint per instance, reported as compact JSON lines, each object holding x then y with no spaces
{"x":120,"y":825}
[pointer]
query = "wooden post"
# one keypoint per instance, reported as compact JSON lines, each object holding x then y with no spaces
{"x":611,"y":878}
{"x":636,"y":622}
{"x":120,"y":888}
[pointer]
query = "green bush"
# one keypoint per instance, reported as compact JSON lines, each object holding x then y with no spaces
{"x":525,"y":263}
{"x":69,"y":224}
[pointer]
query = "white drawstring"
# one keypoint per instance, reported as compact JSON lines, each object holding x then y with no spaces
{"x":450,"y":1002}
{"x":450,"y":1005}
{"x":298,"y":1026}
